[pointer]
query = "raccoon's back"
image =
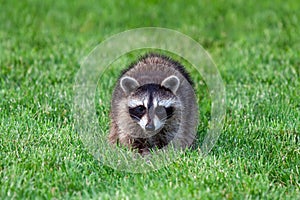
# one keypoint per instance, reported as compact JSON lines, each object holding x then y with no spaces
{"x":153,"y":68}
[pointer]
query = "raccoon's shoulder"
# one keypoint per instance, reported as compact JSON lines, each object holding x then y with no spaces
{"x":155,"y":59}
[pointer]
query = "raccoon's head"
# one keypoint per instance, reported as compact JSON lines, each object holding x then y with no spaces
{"x":151,"y":105}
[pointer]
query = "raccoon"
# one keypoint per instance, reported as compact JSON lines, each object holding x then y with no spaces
{"x":153,"y":105}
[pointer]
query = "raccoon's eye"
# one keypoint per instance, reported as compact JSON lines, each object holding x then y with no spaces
{"x":170,"y":111}
{"x":140,"y":109}
{"x":137,"y":112}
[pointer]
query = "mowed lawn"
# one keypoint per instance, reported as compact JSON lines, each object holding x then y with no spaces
{"x":255,"y":45}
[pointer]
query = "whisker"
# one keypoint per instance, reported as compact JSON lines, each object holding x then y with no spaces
{"x":167,"y":117}
{"x":135,"y":117}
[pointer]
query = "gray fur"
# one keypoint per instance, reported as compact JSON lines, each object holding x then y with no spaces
{"x":181,"y":127}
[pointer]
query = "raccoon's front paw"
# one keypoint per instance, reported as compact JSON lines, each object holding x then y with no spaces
{"x":145,"y":152}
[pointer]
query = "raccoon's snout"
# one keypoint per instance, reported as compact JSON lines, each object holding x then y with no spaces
{"x":150,"y":123}
{"x":150,"y":127}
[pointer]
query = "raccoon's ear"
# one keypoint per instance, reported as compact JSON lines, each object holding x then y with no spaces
{"x":172,"y":83}
{"x":128,"y":84}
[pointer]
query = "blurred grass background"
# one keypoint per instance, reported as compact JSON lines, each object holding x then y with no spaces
{"x":256,"y":46}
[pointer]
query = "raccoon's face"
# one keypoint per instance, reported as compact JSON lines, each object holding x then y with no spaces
{"x":151,"y":105}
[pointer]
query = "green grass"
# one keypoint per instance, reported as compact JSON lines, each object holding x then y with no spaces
{"x":256,"y":46}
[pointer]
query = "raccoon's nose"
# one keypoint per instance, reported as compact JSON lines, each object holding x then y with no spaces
{"x":150,"y":127}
